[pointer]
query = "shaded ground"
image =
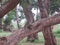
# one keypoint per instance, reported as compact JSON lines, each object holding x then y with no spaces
{"x":31,"y":44}
{"x":58,"y":43}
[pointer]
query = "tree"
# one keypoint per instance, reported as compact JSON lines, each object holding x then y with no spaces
{"x":47,"y":32}
{"x":7,"y":7}
{"x":29,"y":16}
{"x":54,"y":6}
{"x":7,"y":20}
{"x":30,"y":19}
{"x":39,"y":25}
{"x":17,"y":15}
{"x":34,"y":27}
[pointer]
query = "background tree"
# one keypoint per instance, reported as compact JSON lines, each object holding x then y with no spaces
{"x":55,"y":5}
{"x":27,"y":7}
{"x":47,"y":32}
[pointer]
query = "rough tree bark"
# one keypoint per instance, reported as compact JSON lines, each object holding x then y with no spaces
{"x":8,"y":7}
{"x":30,"y":19}
{"x":47,"y":31}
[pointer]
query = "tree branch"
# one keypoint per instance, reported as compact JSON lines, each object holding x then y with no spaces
{"x":8,"y":7}
{"x":18,"y":35}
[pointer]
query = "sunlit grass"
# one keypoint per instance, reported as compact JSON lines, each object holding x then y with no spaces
{"x":2,"y":34}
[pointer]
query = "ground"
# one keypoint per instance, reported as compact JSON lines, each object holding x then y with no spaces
{"x":32,"y":44}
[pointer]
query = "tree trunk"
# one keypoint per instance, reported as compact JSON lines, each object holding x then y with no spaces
{"x":17,"y":16}
{"x":6,"y":28}
{"x":1,"y":23}
{"x":47,"y":31}
{"x":30,"y":19}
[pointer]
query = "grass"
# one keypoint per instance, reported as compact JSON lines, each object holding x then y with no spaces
{"x":40,"y":36}
{"x":2,"y":34}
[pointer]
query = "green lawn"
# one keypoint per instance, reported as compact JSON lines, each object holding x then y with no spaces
{"x":2,"y":34}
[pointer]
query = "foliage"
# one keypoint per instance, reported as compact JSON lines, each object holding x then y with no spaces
{"x":11,"y":15}
{"x":26,"y":3}
{"x":57,"y":30}
{"x":0,"y":30}
{"x":55,"y":5}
